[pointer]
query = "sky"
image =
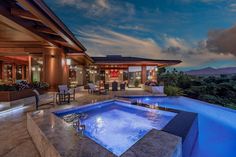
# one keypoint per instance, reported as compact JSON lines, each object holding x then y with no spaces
{"x":189,"y":30}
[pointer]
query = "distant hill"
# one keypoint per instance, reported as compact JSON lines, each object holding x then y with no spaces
{"x":212,"y":71}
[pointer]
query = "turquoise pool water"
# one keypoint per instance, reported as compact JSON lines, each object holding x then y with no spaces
{"x":116,"y":125}
{"x":217,"y":125}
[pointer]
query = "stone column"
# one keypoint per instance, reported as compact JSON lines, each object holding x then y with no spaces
{"x":30,"y":70}
{"x":144,"y":74}
{"x":54,"y":67}
{"x":1,"y":71}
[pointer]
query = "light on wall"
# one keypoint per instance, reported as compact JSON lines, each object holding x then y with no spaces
{"x":156,"y":69}
{"x":68,"y":61}
{"x":33,"y":69}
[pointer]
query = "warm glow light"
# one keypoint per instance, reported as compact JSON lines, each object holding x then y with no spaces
{"x":68,"y":61}
{"x":156,"y":69}
{"x":39,"y":69}
{"x":33,"y":69}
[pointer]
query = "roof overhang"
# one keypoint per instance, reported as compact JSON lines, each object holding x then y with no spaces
{"x":80,"y":58}
{"x":36,"y":19}
{"x":120,"y":61}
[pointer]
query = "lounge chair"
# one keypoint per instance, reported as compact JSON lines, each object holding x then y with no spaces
{"x":92,"y":88}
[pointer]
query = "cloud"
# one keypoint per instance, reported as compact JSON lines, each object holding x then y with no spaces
{"x":222,"y":41}
{"x":103,"y":4}
{"x":132,"y":27}
{"x":101,"y":42}
{"x":105,"y":41}
{"x":101,"y":8}
{"x":192,"y":55}
{"x":202,"y":1}
{"x":175,"y":45}
{"x":232,"y":7}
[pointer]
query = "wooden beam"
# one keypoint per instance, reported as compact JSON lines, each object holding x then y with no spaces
{"x":24,"y":14}
{"x":46,"y":30}
{"x":10,"y":60}
{"x":19,"y":51}
{"x":22,"y":44}
{"x":40,"y":10}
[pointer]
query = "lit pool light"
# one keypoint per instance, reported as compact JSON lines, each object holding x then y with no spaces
{"x":117,"y":126}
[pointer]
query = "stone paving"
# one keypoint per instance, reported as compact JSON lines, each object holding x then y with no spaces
{"x":14,"y":137}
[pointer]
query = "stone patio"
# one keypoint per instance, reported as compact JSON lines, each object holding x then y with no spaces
{"x":14,"y":137}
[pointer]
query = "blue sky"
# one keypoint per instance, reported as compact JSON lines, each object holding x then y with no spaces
{"x":161,"y":29}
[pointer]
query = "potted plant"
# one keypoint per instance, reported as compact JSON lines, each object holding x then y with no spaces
{"x":136,"y":83}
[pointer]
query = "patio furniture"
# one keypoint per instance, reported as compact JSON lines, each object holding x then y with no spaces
{"x":102,"y":91}
{"x":122,"y":86}
{"x":107,"y":86}
{"x":65,"y":94}
{"x":158,"y":90}
{"x":39,"y":99}
{"x":92,"y":88}
{"x":114,"y":86}
{"x":36,"y":98}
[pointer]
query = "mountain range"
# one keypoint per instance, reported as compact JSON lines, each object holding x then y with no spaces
{"x":212,"y":71}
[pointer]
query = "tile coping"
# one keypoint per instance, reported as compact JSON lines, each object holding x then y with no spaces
{"x":53,"y":127}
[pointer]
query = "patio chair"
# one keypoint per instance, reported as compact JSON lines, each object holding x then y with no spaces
{"x":114,"y":86}
{"x":106,"y":86}
{"x":92,"y":88}
{"x":122,"y":86}
{"x":36,"y":98}
{"x":40,"y":101}
{"x":65,"y":94}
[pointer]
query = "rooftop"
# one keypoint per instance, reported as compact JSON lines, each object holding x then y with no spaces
{"x":118,"y":59}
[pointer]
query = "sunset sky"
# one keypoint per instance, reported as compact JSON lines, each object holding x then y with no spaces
{"x":160,"y":29}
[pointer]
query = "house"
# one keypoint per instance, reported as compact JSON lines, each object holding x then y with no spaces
{"x":35,"y":45}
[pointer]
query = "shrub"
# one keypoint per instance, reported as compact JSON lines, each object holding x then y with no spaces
{"x":136,"y":83}
{"x":173,"y":91}
{"x":24,"y":85}
{"x":41,"y":85}
{"x":8,"y":88}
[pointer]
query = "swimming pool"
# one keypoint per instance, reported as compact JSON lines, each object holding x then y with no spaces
{"x":116,"y":125}
{"x":217,"y":125}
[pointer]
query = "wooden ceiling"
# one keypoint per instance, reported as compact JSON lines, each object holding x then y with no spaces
{"x":31,"y":24}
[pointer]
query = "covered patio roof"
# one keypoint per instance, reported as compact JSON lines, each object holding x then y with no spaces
{"x":27,"y":25}
{"x":132,"y":61}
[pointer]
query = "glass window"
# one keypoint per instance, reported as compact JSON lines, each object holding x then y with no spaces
{"x":7,"y":73}
{"x":76,"y":75}
{"x":151,"y":72}
{"x":37,"y":68}
{"x":19,"y":71}
{"x":134,"y":76}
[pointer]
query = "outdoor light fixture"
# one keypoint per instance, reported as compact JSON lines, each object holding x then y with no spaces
{"x":33,"y":69}
{"x":39,"y":69}
{"x":68,"y":61}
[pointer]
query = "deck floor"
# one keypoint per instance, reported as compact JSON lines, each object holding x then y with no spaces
{"x":14,"y":137}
